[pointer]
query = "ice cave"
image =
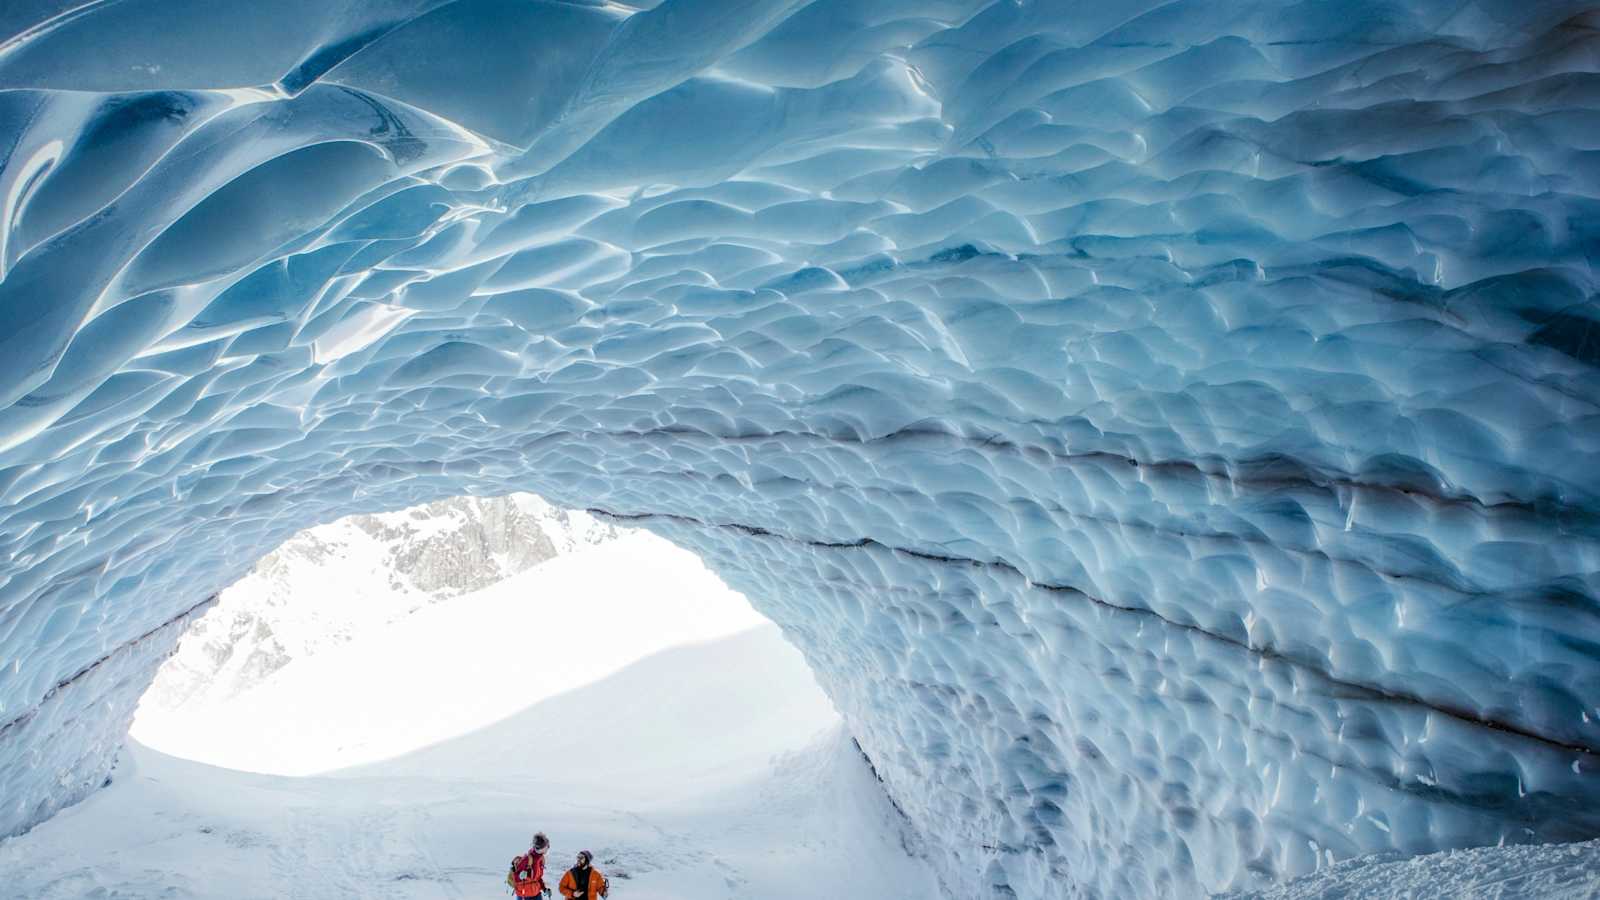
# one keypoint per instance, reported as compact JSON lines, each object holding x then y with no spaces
{"x":1169,"y":430}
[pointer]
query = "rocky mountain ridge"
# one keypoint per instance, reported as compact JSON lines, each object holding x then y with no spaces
{"x":330,"y":582}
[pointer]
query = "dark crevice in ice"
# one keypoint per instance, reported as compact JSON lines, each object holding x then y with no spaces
{"x":1439,"y":576}
{"x":1273,"y":472}
{"x":89,"y":669}
{"x":1532,"y":807}
{"x":1358,"y":690}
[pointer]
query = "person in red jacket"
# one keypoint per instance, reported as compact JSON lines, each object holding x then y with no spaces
{"x":583,"y":881}
{"x":527,"y":871}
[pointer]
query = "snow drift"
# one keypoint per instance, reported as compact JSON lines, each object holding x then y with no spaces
{"x":1168,"y":429}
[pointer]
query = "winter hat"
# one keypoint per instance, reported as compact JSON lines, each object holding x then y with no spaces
{"x":540,"y":841}
{"x":587,"y":856}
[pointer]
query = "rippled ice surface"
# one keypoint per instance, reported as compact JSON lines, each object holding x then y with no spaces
{"x":1169,"y":429}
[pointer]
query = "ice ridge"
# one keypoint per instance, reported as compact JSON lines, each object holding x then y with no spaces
{"x":1170,"y":430}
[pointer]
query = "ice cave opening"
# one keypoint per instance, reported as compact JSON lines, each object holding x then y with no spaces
{"x":414,"y":692}
{"x":488,"y":624}
{"x":1168,"y":430}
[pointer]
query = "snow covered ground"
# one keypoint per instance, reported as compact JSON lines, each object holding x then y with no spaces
{"x":1539,"y":872}
{"x":657,"y":723}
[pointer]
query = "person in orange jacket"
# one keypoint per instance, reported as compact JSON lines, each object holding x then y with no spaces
{"x":583,"y":881}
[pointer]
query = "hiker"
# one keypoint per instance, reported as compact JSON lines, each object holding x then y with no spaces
{"x":583,"y":881}
{"x":527,"y":871}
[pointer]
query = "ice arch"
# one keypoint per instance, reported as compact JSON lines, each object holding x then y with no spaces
{"x":1170,"y":429}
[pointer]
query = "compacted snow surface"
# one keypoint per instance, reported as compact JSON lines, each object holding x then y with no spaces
{"x":652,"y":719}
{"x":1544,"y":872}
{"x":1169,"y":430}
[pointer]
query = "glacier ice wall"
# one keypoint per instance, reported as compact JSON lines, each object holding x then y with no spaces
{"x":1169,"y":428}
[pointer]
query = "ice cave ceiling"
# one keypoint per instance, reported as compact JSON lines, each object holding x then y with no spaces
{"x":1168,"y":428}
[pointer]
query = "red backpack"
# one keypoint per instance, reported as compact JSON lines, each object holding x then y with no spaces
{"x":527,"y":874}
